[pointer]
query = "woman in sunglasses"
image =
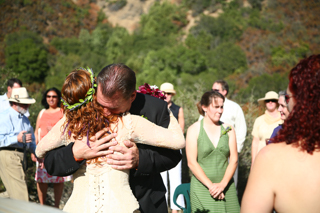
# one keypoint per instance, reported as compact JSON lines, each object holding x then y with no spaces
{"x":47,"y":118}
{"x":265,"y":124}
{"x":285,"y":175}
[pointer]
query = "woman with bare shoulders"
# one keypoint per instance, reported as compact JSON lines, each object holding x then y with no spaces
{"x":97,"y":186}
{"x":285,"y":174}
{"x":209,"y":144}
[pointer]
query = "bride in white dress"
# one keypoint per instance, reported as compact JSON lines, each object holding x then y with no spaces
{"x":97,"y":186}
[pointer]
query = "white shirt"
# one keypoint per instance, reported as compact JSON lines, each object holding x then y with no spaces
{"x":233,"y":114}
{"x":4,"y":104}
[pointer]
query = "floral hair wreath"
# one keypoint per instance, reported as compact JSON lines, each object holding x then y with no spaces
{"x":89,"y":94}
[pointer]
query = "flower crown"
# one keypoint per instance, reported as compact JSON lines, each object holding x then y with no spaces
{"x":89,"y":94}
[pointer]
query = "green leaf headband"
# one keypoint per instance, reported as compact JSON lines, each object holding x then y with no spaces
{"x":90,"y":92}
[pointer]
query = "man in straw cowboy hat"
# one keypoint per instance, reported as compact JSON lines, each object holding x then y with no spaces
{"x":4,"y":103}
{"x":16,"y":135}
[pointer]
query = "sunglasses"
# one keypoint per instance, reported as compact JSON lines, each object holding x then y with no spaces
{"x":168,"y":93}
{"x":52,"y":96}
{"x":272,"y":100}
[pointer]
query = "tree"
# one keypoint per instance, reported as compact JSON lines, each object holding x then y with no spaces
{"x":62,"y":67}
{"x":26,"y":54}
{"x":227,"y":59}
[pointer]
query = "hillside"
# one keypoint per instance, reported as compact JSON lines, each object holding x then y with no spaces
{"x":272,"y":36}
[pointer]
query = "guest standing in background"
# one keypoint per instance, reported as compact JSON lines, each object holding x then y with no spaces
{"x":174,"y":174}
{"x":4,"y":103}
{"x":233,"y":115}
{"x":264,"y":125}
{"x":47,"y":118}
{"x":16,"y":136}
{"x":209,"y":144}
{"x":285,"y":174}
{"x":284,"y":112}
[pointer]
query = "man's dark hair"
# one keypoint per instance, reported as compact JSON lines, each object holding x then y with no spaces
{"x":224,"y":85}
{"x":117,"y":77}
{"x":44,"y":97}
{"x":12,"y":81}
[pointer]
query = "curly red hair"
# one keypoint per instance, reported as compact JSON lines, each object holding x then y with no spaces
{"x":302,"y":127}
{"x":89,"y":118}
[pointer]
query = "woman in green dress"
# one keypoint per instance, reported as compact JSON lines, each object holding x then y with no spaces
{"x":209,"y":144}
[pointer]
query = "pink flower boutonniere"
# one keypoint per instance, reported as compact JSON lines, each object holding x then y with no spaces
{"x":151,"y":90}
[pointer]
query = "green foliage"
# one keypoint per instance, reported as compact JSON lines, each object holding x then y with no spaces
{"x":227,"y":59}
{"x":66,"y":45}
{"x":5,"y":75}
{"x":223,"y":28}
{"x":188,"y":98}
{"x":203,"y":42}
{"x":116,"y":46}
{"x":280,"y":56}
{"x":264,"y":22}
{"x":63,"y":65}
{"x":198,"y":6}
{"x":26,"y":55}
{"x":101,"y":16}
{"x":250,"y":113}
{"x":256,"y":4}
{"x":162,"y":20}
{"x":258,"y":86}
{"x":168,"y":63}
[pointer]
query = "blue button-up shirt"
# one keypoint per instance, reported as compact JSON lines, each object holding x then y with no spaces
{"x":11,"y":124}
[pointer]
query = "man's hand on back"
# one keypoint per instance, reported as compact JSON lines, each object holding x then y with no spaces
{"x":128,"y":159}
{"x":99,"y":146}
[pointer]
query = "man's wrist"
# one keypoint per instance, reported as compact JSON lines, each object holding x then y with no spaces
{"x":74,"y":156}
{"x":78,"y":160}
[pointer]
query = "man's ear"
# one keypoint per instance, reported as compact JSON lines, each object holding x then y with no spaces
{"x":133,"y":96}
{"x":224,"y":93}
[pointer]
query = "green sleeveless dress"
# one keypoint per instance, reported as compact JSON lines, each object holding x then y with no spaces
{"x":214,"y":162}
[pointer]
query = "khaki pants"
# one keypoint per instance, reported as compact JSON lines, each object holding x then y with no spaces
{"x":12,"y":174}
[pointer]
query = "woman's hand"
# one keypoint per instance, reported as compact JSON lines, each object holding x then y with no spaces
{"x":216,"y":190}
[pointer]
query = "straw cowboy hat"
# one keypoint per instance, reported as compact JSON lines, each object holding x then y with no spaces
{"x":271,"y":95}
{"x":167,"y":88}
{"x":21,"y":96}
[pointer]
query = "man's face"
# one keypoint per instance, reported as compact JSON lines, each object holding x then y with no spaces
{"x":15,"y":85}
{"x":22,"y":108}
{"x":218,"y":87}
{"x":283,"y":108}
{"x":116,"y":104}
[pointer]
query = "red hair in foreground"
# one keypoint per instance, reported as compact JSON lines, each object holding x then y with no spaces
{"x":303,"y":124}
